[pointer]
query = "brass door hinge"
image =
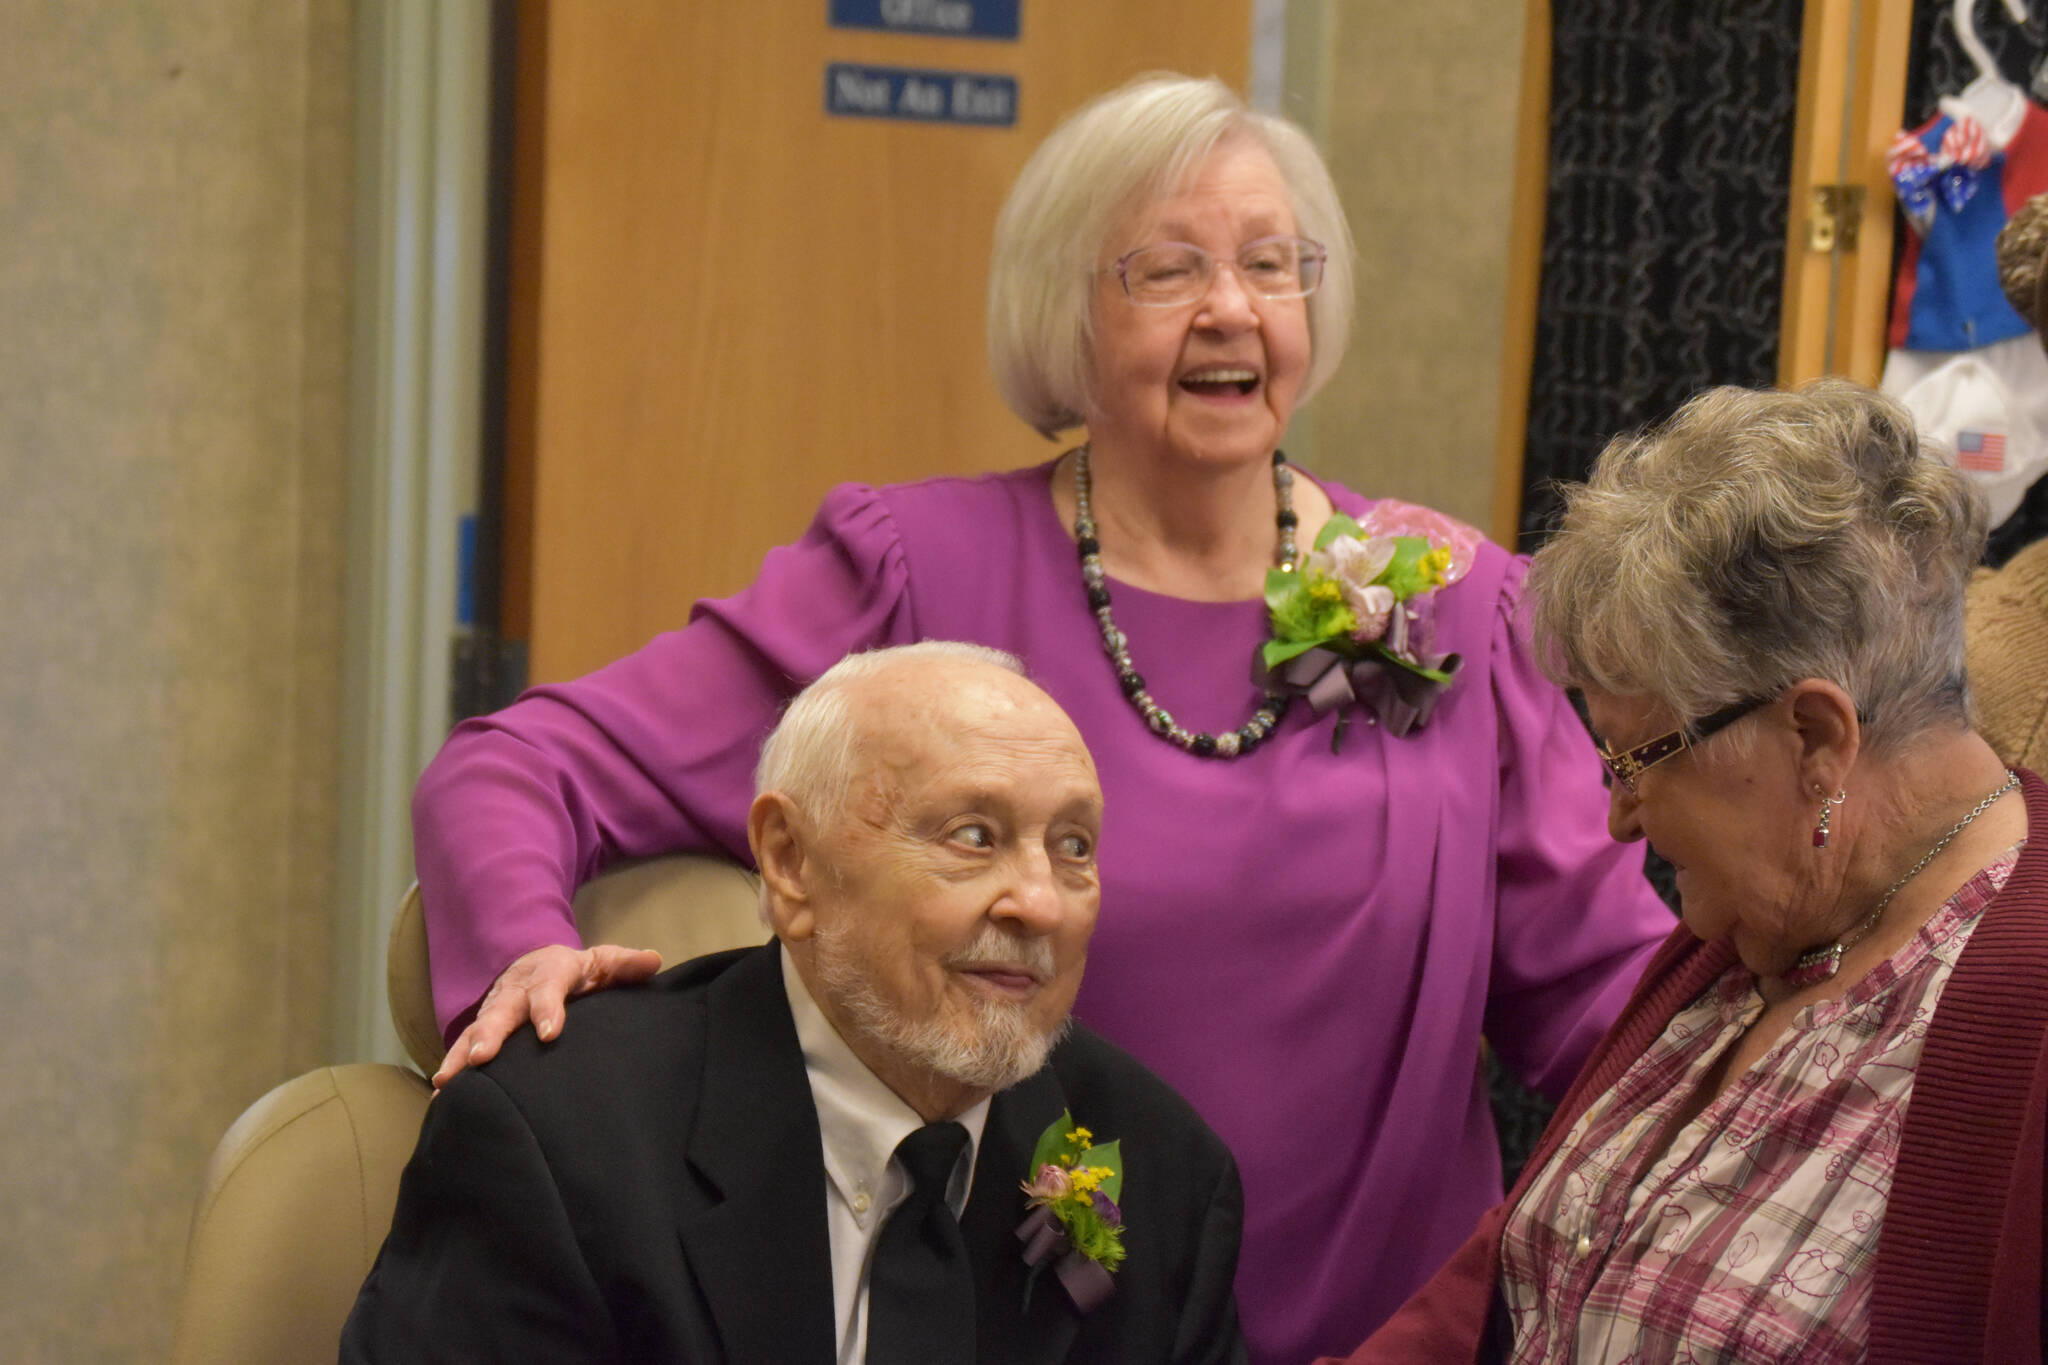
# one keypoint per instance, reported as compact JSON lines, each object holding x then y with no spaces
{"x":1833,"y":214}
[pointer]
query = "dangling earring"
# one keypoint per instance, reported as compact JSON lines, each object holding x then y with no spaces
{"x":1820,"y":833}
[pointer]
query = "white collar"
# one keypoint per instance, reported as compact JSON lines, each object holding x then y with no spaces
{"x":860,"y":1119}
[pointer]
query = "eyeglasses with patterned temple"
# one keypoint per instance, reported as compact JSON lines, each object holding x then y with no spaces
{"x":1169,"y":273}
{"x":1628,"y":765}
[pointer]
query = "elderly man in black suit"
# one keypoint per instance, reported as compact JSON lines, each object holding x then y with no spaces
{"x":863,"y":1141}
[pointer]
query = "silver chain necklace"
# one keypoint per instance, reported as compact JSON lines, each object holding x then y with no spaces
{"x":1816,"y":965}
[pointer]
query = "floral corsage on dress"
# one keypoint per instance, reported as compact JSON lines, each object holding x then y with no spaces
{"x":1356,"y":623}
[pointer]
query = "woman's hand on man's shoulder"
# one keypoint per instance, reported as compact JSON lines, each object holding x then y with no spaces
{"x":536,"y":988}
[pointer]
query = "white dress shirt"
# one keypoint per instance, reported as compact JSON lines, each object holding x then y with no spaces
{"x":860,"y":1121}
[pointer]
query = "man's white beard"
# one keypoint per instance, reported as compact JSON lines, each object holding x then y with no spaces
{"x":995,"y":1049}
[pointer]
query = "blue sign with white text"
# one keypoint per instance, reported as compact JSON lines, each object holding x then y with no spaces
{"x":947,"y":18}
{"x":920,"y":96}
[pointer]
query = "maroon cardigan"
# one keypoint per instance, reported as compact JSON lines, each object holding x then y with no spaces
{"x":1959,"y":1255}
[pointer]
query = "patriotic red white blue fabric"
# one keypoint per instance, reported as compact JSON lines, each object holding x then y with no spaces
{"x":1959,"y":179}
{"x":1951,"y":173}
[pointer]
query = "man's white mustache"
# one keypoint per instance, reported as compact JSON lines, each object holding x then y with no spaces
{"x":996,"y":946}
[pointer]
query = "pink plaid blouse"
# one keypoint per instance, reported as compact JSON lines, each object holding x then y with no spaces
{"x":1754,"y":1236}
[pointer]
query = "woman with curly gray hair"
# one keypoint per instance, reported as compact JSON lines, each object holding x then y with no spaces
{"x":1816,"y":1130}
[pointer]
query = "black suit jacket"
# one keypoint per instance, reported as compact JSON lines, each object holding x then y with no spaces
{"x":651,"y":1186}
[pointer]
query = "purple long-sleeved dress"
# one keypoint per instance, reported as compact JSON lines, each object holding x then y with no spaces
{"x":1307,"y":944}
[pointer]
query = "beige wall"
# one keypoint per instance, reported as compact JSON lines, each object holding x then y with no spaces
{"x":174,"y":210}
{"x":1415,"y":106}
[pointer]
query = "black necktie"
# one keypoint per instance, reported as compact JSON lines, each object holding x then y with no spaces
{"x":920,"y":1290}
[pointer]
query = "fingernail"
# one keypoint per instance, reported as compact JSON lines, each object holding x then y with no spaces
{"x":475,"y":1049}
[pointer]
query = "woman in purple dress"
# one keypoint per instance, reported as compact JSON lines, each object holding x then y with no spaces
{"x":1313,"y":906}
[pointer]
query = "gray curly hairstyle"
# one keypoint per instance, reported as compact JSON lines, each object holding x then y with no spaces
{"x":1757,"y":538}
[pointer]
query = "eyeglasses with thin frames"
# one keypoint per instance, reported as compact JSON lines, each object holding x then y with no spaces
{"x":1166,"y":274}
{"x":1627,"y":766}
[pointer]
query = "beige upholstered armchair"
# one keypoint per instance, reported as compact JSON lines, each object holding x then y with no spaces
{"x":299,"y":1193}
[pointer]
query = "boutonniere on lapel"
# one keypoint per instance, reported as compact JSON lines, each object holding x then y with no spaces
{"x":1074,"y":1223}
{"x":1354,"y":624}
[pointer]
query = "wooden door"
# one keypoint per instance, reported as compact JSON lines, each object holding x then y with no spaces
{"x":725,"y":300}
{"x":1852,"y":94}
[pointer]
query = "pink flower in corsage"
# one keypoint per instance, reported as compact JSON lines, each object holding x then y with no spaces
{"x":1353,"y":625}
{"x":1356,"y":566}
{"x":1074,"y":1221}
{"x":1052,"y":1184}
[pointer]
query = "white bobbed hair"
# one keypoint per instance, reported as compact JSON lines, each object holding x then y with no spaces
{"x":1121,"y":149}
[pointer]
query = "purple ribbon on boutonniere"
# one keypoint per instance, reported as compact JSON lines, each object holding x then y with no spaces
{"x":1045,"y":1239}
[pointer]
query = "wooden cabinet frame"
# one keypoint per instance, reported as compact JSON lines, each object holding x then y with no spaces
{"x":1852,"y":95}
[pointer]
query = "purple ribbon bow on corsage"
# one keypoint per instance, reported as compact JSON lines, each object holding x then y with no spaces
{"x":1401,"y":698}
{"x":1045,"y":1239}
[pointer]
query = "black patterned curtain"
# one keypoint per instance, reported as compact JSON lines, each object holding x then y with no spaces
{"x":1938,"y":66}
{"x":1663,"y":253}
{"x":1664,"y":237}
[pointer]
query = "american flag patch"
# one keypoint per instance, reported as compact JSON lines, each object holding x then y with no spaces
{"x":1983,"y":451}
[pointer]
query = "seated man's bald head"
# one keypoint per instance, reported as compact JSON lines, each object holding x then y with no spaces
{"x":811,"y":755}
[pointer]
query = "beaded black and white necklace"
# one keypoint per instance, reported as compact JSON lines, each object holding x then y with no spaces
{"x":1231,"y":744}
